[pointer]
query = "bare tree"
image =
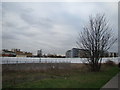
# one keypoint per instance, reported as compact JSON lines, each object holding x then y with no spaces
{"x":96,"y":38}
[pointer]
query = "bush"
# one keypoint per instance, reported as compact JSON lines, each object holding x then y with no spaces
{"x":110,"y":63}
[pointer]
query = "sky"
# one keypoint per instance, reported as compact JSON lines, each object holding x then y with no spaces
{"x":51,"y":26}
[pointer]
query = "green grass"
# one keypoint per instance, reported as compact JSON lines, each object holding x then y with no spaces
{"x":66,"y":79}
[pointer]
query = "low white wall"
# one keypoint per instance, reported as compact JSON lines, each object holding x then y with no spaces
{"x":14,"y":60}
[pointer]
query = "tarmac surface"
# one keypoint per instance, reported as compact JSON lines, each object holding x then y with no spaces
{"x":113,"y":84}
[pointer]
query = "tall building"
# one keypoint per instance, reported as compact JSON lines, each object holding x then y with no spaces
{"x":39,"y":53}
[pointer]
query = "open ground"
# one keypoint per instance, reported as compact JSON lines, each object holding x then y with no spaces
{"x":74,"y":76}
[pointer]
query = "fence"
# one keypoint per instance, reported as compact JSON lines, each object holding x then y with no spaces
{"x":17,"y":60}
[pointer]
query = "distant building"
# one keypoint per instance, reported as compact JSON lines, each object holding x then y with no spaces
{"x":39,"y":53}
{"x":28,"y":54}
{"x":113,"y":54}
{"x":15,"y":53}
{"x":20,"y":53}
{"x":83,"y":53}
{"x":68,"y":54}
{"x":76,"y":52}
{"x":7,"y":53}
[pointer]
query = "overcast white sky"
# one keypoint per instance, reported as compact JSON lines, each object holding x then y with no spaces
{"x":52,"y":27}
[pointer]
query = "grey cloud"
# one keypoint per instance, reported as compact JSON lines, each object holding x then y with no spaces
{"x":36,"y":21}
{"x":49,"y":26}
{"x":14,"y":7}
{"x":9,"y":36}
{"x":8,"y":24}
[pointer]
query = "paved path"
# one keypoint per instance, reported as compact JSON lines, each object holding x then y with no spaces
{"x":113,"y":83}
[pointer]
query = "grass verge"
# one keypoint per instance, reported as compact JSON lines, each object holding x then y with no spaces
{"x":74,"y":78}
